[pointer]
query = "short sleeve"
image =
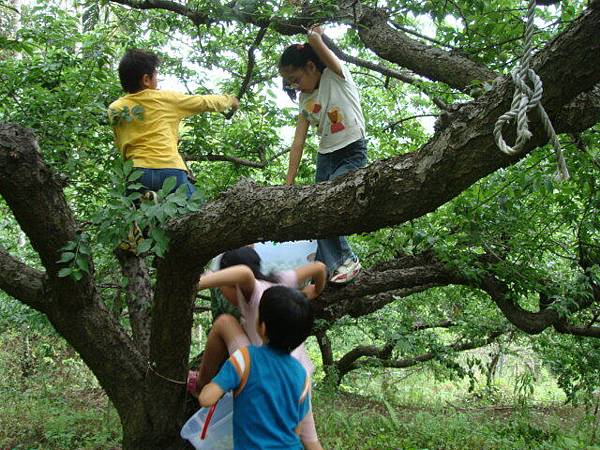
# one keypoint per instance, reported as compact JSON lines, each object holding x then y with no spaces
{"x":346,"y":73}
{"x":304,"y":403}
{"x":288,"y":278}
{"x":227,"y":378}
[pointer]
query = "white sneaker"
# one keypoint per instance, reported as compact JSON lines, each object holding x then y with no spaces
{"x":346,"y":272}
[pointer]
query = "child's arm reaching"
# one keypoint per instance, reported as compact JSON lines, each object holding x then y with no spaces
{"x":195,"y":104}
{"x":210,"y":394}
{"x":323,"y":52}
{"x":232,"y":373}
{"x":318,"y":272}
{"x":239,"y":275}
{"x":297,"y":148}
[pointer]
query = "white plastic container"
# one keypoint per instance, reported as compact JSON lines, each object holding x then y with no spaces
{"x":218,"y":433}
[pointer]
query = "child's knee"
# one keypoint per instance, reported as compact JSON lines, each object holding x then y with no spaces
{"x":224,"y":321}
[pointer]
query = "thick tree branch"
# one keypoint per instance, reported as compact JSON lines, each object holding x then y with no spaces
{"x":20,"y":281}
{"x":395,"y":46}
{"x":382,"y":70}
{"x":139,"y":296}
{"x":377,"y":355}
{"x":566,"y":328}
{"x":195,"y":16}
{"x":344,"y":364}
{"x":368,"y":64}
{"x":50,"y":224}
{"x":381,"y":285}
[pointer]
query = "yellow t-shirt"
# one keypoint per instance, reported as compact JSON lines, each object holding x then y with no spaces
{"x":146,"y":124}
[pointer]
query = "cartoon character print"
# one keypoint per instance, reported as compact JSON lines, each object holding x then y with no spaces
{"x":313,"y":107}
{"x":311,"y":111}
{"x":337,"y":119}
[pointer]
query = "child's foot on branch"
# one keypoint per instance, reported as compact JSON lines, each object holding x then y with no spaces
{"x":346,"y":272}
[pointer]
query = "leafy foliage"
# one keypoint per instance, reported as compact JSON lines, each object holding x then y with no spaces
{"x":57,"y":76}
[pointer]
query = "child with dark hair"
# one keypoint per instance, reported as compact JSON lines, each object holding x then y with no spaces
{"x":271,"y":388}
{"x":146,"y":120}
{"x":242,"y":282}
{"x":329,"y":100}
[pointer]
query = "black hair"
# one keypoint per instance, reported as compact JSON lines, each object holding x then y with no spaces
{"x":134,"y":65}
{"x":297,"y":56}
{"x":248,"y":257}
{"x":287,"y":315}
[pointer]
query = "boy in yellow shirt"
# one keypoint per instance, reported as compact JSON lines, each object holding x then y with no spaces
{"x":146,"y":120}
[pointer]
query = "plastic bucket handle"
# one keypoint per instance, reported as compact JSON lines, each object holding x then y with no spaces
{"x":211,"y":411}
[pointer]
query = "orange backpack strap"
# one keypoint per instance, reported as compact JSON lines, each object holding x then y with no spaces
{"x":305,"y":390}
{"x":241,"y":361}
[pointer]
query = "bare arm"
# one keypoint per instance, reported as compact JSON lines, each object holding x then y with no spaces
{"x":210,"y":394}
{"x":239,"y":275}
{"x":323,"y":52}
{"x":318,"y":272}
{"x":297,"y":149}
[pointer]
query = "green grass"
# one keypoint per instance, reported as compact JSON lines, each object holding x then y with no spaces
{"x":347,"y":421}
{"x":49,"y":400}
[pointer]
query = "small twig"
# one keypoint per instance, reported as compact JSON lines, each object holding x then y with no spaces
{"x":421,"y":36}
{"x":398,"y":122}
{"x":250,"y":68}
{"x":235,"y":159}
{"x":109,"y":286}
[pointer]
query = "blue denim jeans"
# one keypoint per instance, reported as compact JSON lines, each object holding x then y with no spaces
{"x":153,"y":179}
{"x":334,"y":251}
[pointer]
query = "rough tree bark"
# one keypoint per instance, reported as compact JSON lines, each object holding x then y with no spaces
{"x":386,"y":193}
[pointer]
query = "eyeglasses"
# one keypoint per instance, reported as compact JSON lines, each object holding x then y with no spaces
{"x":294,"y":82}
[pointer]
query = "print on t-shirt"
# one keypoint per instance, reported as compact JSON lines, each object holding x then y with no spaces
{"x":337,"y":119}
{"x":313,"y":106}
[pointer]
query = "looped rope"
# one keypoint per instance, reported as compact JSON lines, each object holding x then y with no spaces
{"x":526,"y":99}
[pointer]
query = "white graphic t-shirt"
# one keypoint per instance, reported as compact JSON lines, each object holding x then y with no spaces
{"x":334,"y":108}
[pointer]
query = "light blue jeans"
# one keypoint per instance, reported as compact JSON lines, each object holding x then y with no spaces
{"x":334,"y":251}
{"x":153,"y":179}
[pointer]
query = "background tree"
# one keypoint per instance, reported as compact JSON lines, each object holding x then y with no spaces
{"x":461,"y":237}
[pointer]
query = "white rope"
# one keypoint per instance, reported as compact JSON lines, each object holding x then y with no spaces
{"x":526,"y":99}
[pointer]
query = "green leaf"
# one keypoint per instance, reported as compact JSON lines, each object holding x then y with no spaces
{"x":135,"y":175}
{"x":71,"y":245}
{"x":66,"y":257}
{"x":145,"y":246}
{"x":64,"y":272}
{"x":82,"y":263}
{"x":168,"y":185}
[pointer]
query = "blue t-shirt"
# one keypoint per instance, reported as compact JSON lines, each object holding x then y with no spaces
{"x":273,"y":399}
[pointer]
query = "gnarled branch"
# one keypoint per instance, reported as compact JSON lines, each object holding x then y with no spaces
{"x":20,"y":281}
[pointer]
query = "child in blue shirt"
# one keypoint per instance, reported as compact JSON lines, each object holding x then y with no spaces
{"x":271,"y":388}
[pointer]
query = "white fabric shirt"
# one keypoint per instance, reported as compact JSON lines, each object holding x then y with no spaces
{"x":334,"y":108}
